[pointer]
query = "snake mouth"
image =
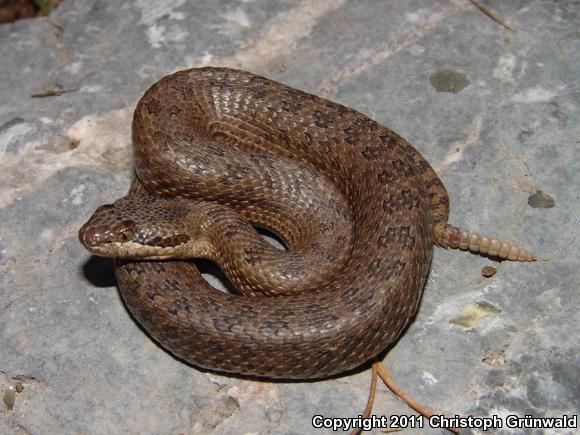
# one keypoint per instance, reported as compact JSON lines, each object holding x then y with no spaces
{"x":134,"y":251}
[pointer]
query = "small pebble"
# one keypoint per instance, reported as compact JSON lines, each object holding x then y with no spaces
{"x":488,"y":271}
{"x":541,"y":199}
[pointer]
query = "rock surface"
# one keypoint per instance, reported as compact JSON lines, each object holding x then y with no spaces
{"x":495,"y":111}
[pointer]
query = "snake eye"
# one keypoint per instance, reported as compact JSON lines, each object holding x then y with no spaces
{"x":126,"y":231}
{"x":126,"y":235}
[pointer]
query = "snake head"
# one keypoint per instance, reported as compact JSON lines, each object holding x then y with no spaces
{"x":144,"y":227}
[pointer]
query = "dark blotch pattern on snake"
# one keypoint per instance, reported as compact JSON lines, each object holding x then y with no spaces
{"x":220,"y":151}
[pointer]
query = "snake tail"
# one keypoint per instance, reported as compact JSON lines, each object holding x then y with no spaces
{"x":455,"y":238}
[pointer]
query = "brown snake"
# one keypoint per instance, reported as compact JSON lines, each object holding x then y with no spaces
{"x":219,"y":150}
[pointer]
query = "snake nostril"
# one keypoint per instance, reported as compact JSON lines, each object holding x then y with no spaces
{"x":87,"y":236}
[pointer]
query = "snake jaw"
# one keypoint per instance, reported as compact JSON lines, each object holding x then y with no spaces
{"x":137,"y":251}
{"x":130,"y":249}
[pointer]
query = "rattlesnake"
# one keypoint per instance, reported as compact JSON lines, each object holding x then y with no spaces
{"x":219,"y":151}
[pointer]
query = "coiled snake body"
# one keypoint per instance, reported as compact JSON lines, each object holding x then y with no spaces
{"x":358,"y":207}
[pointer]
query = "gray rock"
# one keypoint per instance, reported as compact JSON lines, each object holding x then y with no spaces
{"x":82,"y":365}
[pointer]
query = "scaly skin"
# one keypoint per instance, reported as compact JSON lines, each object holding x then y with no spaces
{"x":246,"y":149}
